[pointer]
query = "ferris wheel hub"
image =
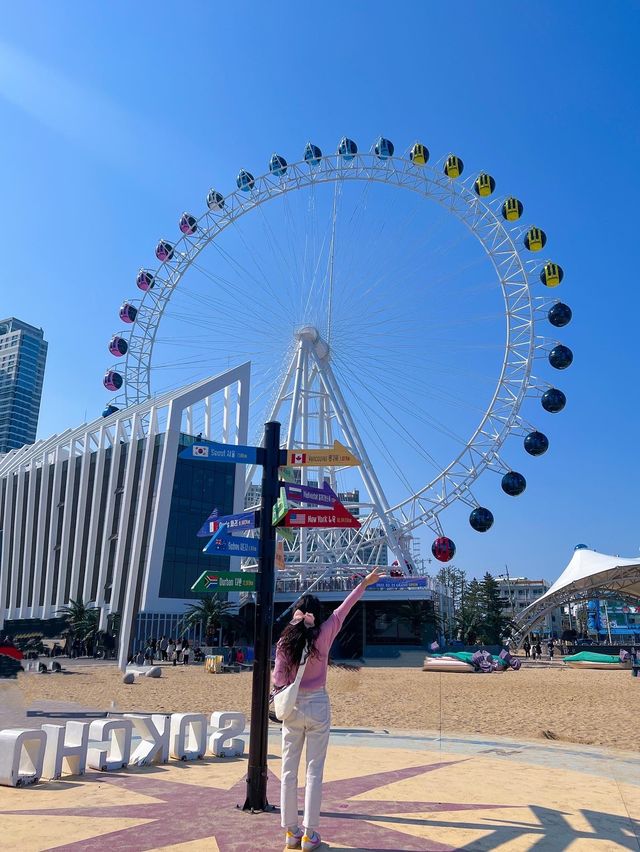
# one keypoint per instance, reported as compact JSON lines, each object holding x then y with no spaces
{"x":311,"y":335}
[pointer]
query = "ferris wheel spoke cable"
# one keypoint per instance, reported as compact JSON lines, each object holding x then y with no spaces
{"x":378,"y":403}
{"x":411,"y":406}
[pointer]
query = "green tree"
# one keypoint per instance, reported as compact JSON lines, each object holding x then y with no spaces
{"x":469,"y":619}
{"x":211,"y":612}
{"x":495,"y":623}
{"x":82,"y":618}
{"x":453,"y":579}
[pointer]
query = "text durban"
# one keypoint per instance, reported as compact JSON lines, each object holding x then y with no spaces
{"x":26,"y":755}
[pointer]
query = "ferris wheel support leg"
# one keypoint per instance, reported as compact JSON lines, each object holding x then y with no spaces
{"x":371,"y":481}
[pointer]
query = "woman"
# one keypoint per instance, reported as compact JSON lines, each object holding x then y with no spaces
{"x":308,"y":633}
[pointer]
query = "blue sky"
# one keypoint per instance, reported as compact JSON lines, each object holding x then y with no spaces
{"x":116,"y":121}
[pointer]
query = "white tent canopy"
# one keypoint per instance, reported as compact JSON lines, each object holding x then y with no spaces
{"x":588,"y":575}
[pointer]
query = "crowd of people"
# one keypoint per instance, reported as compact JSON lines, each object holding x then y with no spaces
{"x":168,"y":650}
{"x":533,"y":649}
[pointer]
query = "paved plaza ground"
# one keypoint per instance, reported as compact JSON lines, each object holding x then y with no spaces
{"x":383,"y":791}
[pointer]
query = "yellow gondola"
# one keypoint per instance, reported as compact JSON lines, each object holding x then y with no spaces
{"x":419,"y":154}
{"x":535,"y":239}
{"x":453,"y":166}
{"x":484,"y":185}
{"x":552,"y":274}
{"x":512,"y":209}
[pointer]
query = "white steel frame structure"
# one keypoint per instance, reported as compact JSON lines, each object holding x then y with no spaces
{"x":504,"y":247}
{"x":100,"y":535}
{"x":589,"y":575}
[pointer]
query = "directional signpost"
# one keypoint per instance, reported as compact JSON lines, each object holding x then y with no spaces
{"x":275,"y":514}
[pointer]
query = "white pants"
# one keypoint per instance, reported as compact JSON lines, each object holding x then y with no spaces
{"x":310,"y":721}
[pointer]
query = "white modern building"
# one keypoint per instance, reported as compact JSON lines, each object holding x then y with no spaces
{"x":107,"y":512}
{"x":517,"y":593}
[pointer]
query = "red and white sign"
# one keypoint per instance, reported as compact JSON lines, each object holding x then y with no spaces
{"x":336,"y":516}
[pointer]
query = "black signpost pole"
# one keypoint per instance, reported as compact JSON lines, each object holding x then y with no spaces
{"x":258,"y":738}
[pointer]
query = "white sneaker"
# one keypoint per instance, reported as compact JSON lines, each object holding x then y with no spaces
{"x":311,"y":841}
{"x":294,"y":838}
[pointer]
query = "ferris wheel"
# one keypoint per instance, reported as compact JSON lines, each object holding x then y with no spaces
{"x":408,"y":330}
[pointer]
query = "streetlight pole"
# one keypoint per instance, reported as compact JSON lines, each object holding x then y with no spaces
{"x":256,"y":800}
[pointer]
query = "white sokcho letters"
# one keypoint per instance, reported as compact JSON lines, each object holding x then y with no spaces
{"x":65,"y":742}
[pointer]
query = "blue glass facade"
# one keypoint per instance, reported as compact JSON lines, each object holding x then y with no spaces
{"x":23,"y":354}
{"x":198,"y":487}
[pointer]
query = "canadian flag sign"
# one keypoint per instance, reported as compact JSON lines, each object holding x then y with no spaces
{"x":336,"y":456}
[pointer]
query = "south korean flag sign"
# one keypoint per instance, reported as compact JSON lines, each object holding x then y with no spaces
{"x":200,"y":451}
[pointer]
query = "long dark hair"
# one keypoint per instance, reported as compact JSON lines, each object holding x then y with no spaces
{"x":297,"y":638}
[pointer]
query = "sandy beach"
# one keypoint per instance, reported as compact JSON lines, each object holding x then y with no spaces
{"x":590,"y":707}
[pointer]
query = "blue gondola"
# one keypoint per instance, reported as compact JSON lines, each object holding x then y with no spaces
{"x":215,"y":200}
{"x":108,"y":410}
{"x":245,"y":180}
{"x":383,"y":148}
{"x":513,"y":483}
{"x":312,"y":154}
{"x":144,"y":280}
{"x":347,"y":148}
{"x":559,"y":315}
{"x":553,"y":400}
{"x":536,"y":444}
{"x":481,"y":519}
{"x":560,"y":357}
{"x":277,"y":165}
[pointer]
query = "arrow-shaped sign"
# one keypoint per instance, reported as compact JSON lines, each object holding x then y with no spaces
{"x":229,"y":453}
{"x":280,"y":508}
{"x":228,"y":581}
{"x":223,"y":544}
{"x":324,"y":496}
{"x":339,"y":456}
{"x":241,"y":521}
{"x":337,"y":516}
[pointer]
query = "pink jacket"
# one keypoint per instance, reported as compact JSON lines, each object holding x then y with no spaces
{"x":315,"y":674}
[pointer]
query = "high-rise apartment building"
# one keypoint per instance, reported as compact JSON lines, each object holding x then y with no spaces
{"x":23,"y":354}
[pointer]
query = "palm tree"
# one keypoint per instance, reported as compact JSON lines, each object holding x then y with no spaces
{"x":211,"y":612}
{"x":82,"y":618}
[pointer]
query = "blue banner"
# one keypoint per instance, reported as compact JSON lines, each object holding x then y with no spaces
{"x":397,"y":583}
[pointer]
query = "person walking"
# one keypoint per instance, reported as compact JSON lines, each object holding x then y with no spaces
{"x":538,"y":649}
{"x":527,"y":648}
{"x":310,"y":635}
{"x":186,"y":650}
{"x":164,"y":644}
